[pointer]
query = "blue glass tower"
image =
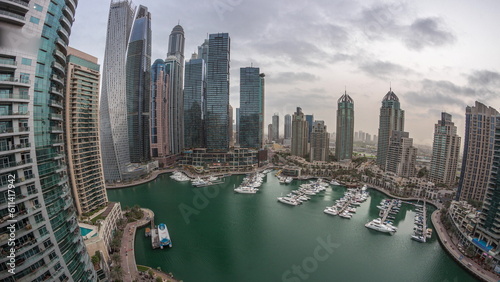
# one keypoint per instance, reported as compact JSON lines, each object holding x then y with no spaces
{"x":251,"y":120}
{"x":194,"y":89}
{"x":217,"y":102}
{"x":345,"y":128}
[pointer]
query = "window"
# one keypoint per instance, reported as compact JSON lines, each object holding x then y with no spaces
{"x":34,"y":20}
{"x":26,"y":61}
{"x":38,"y":7}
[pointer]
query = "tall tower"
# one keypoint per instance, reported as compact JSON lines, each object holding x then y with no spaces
{"x":320,"y":141}
{"x":445,"y":152}
{"x":84,"y":157}
{"x":159,"y":139}
{"x":217,"y":102}
{"x":138,"y":82}
{"x":175,"y":68}
{"x":310,"y":121}
{"x":299,"y":133}
{"x":480,"y":121}
{"x":237,"y":126}
{"x":288,"y":127}
{"x":276,"y":127}
{"x":345,"y":127}
{"x":251,"y":124}
{"x":42,"y":226}
{"x":194,"y":90}
{"x":113,"y":104}
{"x":392,"y":118}
{"x":401,"y":155}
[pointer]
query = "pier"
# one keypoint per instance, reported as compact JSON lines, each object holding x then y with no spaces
{"x":155,"y":238}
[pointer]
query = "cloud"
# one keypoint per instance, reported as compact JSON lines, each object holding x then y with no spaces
{"x":484,"y":78}
{"x":290,"y":77}
{"x":384,"y":69}
{"x":428,"y":32}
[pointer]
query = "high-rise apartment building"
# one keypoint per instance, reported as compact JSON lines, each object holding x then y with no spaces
{"x":299,"y":134}
{"x":391,"y":119}
{"x":276,"y":127}
{"x":138,"y":87}
{"x":480,"y":121}
{"x":159,"y":139}
{"x":345,"y":127}
{"x":48,"y":246}
{"x":113,"y":103}
{"x":320,"y":140}
{"x":237,"y":127}
{"x":230,"y":125}
{"x":445,"y":152}
{"x":269,"y":133}
{"x":82,"y":132}
{"x":288,"y":127}
{"x":251,"y":123}
{"x":175,"y":69}
{"x":310,"y":121}
{"x":194,"y":90}
{"x":401,"y":155}
{"x":217,"y":101}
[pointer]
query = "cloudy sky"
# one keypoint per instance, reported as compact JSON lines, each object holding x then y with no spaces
{"x":438,"y":55}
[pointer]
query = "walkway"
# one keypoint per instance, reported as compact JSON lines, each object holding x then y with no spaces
{"x":452,"y":249}
{"x":151,"y":177}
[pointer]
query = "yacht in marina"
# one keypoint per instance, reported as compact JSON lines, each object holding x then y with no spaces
{"x":288,"y":201}
{"x":380,"y":227}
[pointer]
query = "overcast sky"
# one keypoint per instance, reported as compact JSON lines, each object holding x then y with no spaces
{"x":438,"y":55}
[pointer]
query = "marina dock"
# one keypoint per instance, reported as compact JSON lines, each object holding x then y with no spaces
{"x":155,"y":238}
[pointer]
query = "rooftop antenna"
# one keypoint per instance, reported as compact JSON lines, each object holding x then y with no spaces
{"x":178,"y":22}
{"x":390,"y":85}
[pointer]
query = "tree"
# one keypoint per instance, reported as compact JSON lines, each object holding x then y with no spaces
{"x":423,"y":172}
{"x":116,"y":258}
{"x":159,"y":279}
{"x":116,"y":273}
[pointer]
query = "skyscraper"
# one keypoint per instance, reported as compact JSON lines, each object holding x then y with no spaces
{"x":392,"y":118}
{"x":276,"y":127}
{"x":251,"y":124}
{"x":84,"y":157}
{"x":237,"y":126}
{"x":269,"y":133}
{"x":299,"y":134}
{"x":230,"y":125}
{"x":401,"y":155}
{"x":160,"y":142}
{"x":47,"y":242}
{"x":288,"y":126}
{"x":194,"y":90}
{"x":175,"y":69}
{"x":320,"y":140}
{"x":445,"y":152}
{"x":310,"y":121}
{"x":345,"y":127}
{"x":480,"y":121}
{"x":138,"y":82}
{"x":113,"y":103}
{"x":217,"y":102}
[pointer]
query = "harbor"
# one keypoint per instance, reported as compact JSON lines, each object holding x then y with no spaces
{"x":211,"y":234}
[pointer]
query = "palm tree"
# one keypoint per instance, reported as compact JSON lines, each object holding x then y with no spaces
{"x":116,"y":258}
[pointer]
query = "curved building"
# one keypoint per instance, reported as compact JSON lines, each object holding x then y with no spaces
{"x":392,"y":118}
{"x":345,"y":127}
{"x":38,"y":227}
{"x":113,"y":102}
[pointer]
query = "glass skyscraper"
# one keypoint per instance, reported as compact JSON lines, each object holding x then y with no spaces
{"x":217,"y":102}
{"x":288,"y":126}
{"x":310,"y":121}
{"x":445,"y":152}
{"x":320,"y":141}
{"x":159,"y":110}
{"x":299,"y":134}
{"x":138,"y":81}
{"x":345,"y":127}
{"x":392,"y":118}
{"x":113,"y":103}
{"x":251,"y":120}
{"x":47,"y":241}
{"x":276,"y":127}
{"x":194,"y":89}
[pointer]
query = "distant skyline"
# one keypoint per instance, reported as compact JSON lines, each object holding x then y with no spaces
{"x":437,"y":58}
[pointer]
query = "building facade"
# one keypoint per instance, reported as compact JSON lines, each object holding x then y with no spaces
{"x":310,"y":121}
{"x":288,"y":127}
{"x":138,"y":82}
{"x":194,"y":90}
{"x":204,"y":161}
{"x":320,"y":140}
{"x":159,"y":139}
{"x":401,"y":155}
{"x":251,"y":119}
{"x":391,"y":119}
{"x":480,"y":121}
{"x":345,"y":128}
{"x":47,"y":241}
{"x":113,"y":101}
{"x":86,"y":176}
{"x":445,"y":152}
{"x":217,"y":101}
{"x":299,"y":134}
{"x":276,"y":127}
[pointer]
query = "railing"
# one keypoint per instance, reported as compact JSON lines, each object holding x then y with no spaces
{"x":14,"y":147}
{"x":2,"y":12}
{"x":8,"y":62}
{"x":19,"y":2}
{"x":12,"y":113}
{"x":13,"y":164}
{"x":13,"y":79}
{"x":14,"y":96}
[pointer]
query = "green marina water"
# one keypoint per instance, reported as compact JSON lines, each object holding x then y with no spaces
{"x":219,"y":235}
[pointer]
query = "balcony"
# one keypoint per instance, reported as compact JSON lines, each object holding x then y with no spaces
{"x":69,"y":13}
{"x":56,"y":117}
{"x":55,"y":91}
{"x":62,"y":44}
{"x":64,"y":35}
{"x":14,"y":114}
{"x":58,"y":67}
{"x":15,"y":81}
{"x":15,"y":148}
{"x":66,"y":22}
{"x":9,"y":166}
{"x":56,"y":129}
{"x":16,"y":5}
{"x":56,"y":104}
{"x":57,"y":79}
{"x":71,"y":4}
{"x":8,"y":64}
{"x":12,"y":18}
{"x":13,"y":97}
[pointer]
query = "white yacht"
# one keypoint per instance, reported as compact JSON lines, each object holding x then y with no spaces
{"x":246,"y":190}
{"x":288,"y":201}
{"x":380,"y":227}
{"x":330,"y":210}
{"x":335,"y":182}
{"x":179,"y":176}
{"x":288,"y":180}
